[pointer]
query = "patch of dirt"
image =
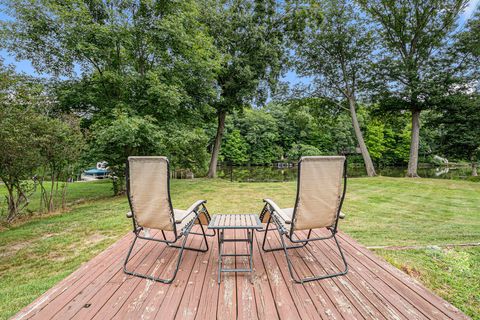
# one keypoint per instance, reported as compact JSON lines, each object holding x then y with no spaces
{"x":411,"y":271}
{"x":56,"y":256}
{"x":95,"y":238}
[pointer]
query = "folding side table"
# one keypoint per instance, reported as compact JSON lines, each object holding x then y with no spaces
{"x":249,"y":222}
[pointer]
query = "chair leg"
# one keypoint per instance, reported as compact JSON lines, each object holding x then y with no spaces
{"x":192,"y":248}
{"x":304,"y":243}
{"x":146,"y":276}
{"x":314,"y":278}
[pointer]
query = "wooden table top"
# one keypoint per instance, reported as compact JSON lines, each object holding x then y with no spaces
{"x":235,"y":221}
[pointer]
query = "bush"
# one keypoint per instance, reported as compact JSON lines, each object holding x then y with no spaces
{"x":299,"y":150}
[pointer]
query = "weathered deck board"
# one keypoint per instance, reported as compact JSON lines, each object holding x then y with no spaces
{"x":372,"y":289}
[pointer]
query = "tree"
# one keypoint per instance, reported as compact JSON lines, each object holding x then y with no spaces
{"x":299,"y":150}
{"x":60,"y":145}
{"x":19,"y":148}
{"x":413,"y":33}
{"x":458,"y":122}
{"x":260,"y":131}
{"x":125,"y":136}
{"x":466,"y":49}
{"x":338,"y":53}
{"x":248,"y":34}
{"x":19,"y":155}
{"x":185,"y":147}
{"x":234,"y":150}
{"x":146,"y":58}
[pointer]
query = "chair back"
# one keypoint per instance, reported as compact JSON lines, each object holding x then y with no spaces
{"x":148,"y":189}
{"x":319,"y":192}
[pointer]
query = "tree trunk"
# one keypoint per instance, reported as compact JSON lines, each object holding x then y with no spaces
{"x":12,"y":207}
{"x":474,"y":169}
{"x":358,"y":133}
{"x":414,"y":143}
{"x":212,"y":170}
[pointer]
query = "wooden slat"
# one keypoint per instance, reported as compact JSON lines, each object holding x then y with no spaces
{"x":360,"y":276}
{"x":413,"y":298}
{"x":214,"y":222}
{"x":326,"y":300}
{"x":191,"y":298}
{"x":73,"y":296}
{"x":127,"y":285}
{"x":365,"y":308}
{"x":238,"y":218}
{"x":207,"y":304}
{"x":246,"y":305}
{"x":147,"y":298}
{"x":304,"y":303}
{"x":227,"y":297}
{"x":222,"y":220}
{"x":265,"y":303}
{"x":430,"y":304}
{"x":174,"y":293}
{"x":372,"y":289}
{"x":72,"y":280}
{"x":286,"y":306}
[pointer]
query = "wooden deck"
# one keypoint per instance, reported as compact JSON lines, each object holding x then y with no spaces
{"x":372,"y":289}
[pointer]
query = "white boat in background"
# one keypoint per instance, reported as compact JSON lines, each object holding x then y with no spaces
{"x":100,"y":172}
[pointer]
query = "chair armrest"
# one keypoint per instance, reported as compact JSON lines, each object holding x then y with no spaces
{"x":191,"y":209}
{"x":279,"y":211}
{"x":129,"y":214}
{"x":342,"y":215}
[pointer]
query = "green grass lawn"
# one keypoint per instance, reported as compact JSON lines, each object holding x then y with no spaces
{"x":76,"y":192}
{"x":380,"y":212}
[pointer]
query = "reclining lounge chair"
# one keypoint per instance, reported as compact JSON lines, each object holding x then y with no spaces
{"x":148,"y":191}
{"x":318,"y":204}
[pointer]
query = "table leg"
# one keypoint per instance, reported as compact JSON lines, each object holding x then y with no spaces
{"x":220,"y":248}
{"x":250,"y":237}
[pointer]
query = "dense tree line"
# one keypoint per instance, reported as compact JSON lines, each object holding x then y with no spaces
{"x":199,"y":81}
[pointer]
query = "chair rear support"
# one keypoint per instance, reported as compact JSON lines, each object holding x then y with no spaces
{"x":298,"y":242}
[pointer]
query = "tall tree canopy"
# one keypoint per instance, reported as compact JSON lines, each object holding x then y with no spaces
{"x":145,"y":57}
{"x":151,"y":59}
{"x":249,"y":35}
{"x":413,"y":33}
{"x":337,"y":52}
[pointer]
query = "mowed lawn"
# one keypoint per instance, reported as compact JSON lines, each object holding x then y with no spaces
{"x":380,"y":211}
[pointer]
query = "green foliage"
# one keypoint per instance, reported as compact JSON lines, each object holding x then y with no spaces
{"x":144,"y":57}
{"x":60,"y":146}
{"x":259,"y":130}
{"x":234,"y":149}
{"x":299,"y":150}
{"x":185,"y":148}
{"x":388,"y":137}
{"x":125,"y":136}
{"x":30,"y":140}
{"x":413,"y":35}
{"x":458,"y":121}
{"x":249,"y":36}
{"x":313,"y":121}
{"x":19,"y":156}
{"x":337,"y":51}
{"x":375,"y":139}
{"x":465,"y":53}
